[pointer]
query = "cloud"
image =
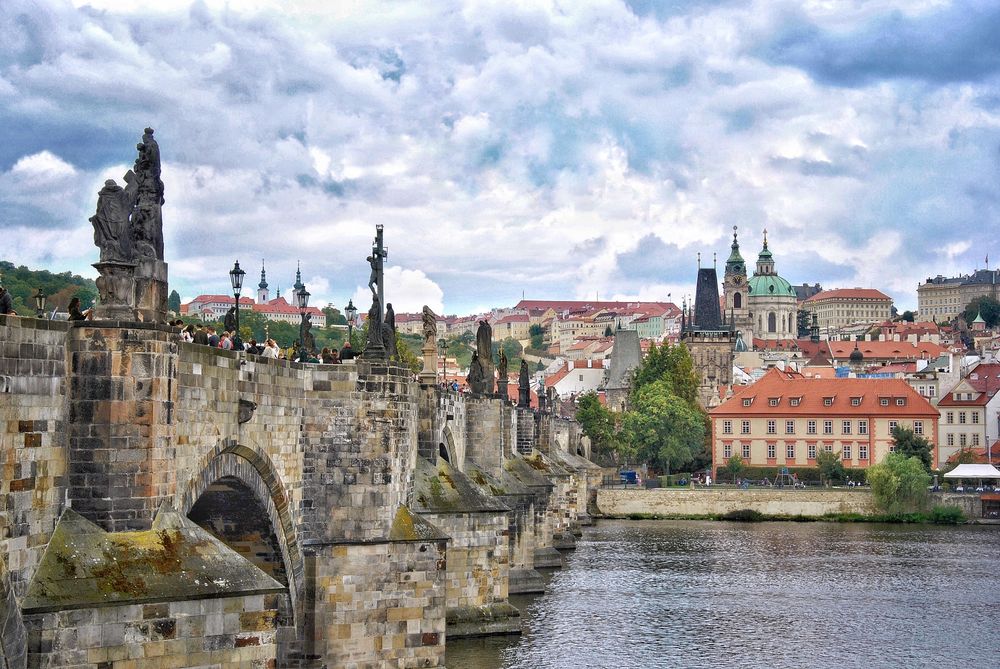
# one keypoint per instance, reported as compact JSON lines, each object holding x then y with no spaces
{"x":407,"y":290}
{"x":510,"y":148}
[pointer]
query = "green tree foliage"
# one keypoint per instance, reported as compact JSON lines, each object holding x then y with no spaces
{"x":671,"y":364}
{"x":405,"y":346}
{"x":23,"y":284}
{"x":663,"y":428}
{"x":985,"y":306}
{"x":333,"y":316}
{"x":537,"y":334}
{"x":831,"y":468}
{"x":899,"y":483}
{"x":598,"y":423}
{"x":174,"y":302}
{"x":734,"y":466}
{"x":803,"y":322}
{"x":909,"y":316}
{"x":911,"y":444}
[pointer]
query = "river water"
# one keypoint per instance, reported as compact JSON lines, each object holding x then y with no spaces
{"x":776,"y":595}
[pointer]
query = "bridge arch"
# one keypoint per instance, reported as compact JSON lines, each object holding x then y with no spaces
{"x":242,"y":477}
{"x":448,"y":451}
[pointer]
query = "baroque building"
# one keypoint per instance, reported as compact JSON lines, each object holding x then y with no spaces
{"x":735,"y":288}
{"x":772,"y":301}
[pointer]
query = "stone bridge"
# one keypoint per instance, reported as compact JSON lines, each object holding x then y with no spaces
{"x":169,"y":505}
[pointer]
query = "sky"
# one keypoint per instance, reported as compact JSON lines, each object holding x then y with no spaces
{"x":557,"y":150}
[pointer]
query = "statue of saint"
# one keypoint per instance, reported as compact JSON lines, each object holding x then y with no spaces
{"x":475,"y":377}
{"x":308,"y":340}
{"x":484,"y":341}
{"x":430,"y":325}
{"x":374,"y":341}
{"x":111,"y":221}
{"x":502,"y":367}
{"x":373,"y":277}
{"x":229,"y":322}
{"x":523,"y":386}
{"x":389,"y":333}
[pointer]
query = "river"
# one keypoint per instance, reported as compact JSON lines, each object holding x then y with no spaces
{"x":776,"y":595}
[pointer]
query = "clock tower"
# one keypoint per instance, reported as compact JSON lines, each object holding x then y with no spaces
{"x":734,"y":287}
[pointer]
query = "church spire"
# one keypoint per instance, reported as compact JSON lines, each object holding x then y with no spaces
{"x":263,"y":276}
{"x":735,"y":264}
{"x":298,"y":277}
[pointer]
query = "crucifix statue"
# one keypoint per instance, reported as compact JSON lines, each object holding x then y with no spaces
{"x":376,"y":282}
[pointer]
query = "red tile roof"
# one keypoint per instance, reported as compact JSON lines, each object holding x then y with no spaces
{"x":224,"y":299}
{"x":888,"y":350}
{"x":812,"y":394}
{"x":849,"y":293}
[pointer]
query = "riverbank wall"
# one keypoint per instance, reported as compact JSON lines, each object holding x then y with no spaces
{"x":716,"y":501}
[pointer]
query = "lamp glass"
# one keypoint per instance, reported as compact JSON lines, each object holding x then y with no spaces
{"x":350,"y":311}
{"x":236,"y":277}
{"x":40,"y":300}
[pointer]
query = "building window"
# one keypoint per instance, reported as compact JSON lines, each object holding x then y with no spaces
{"x":794,"y":401}
{"x":862,"y":451}
{"x":845,"y":427}
{"x":747,"y":402}
{"x":931,"y":391}
{"x":900,"y":401}
{"x":961,"y":440}
{"x":745,"y":427}
{"x":772,"y":427}
{"x":727,"y":451}
{"x":893,"y":425}
{"x":746,"y":452}
{"x":773,"y":401}
{"x":862,"y":427}
{"x":828,"y":401}
{"x":918,"y":427}
{"x":811,"y":427}
{"x":975,"y":439}
{"x":789,"y":427}
{"x":855,"y":401}
{"x":789,"y":451}
{"x":727,"y":427}
{"x":770,"y":451}
{"x":828,"y":427}
{"x":961,"y":417}
{"x":950,"y":439}
{"x":828,"y":447}
{"x":949,"y":417}
{"x":975,"y":418}
{"x":884,"y":401}
{"x":811,"y":451}
{"x":847,"y":452}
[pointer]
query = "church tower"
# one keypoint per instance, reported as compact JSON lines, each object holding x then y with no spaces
{"x":262,"y":286}
{"x":734,"y":287}
{"x":709,"y":339}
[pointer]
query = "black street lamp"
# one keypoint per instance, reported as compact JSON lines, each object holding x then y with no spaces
{"x":351,"y":312}
{"x":302,"y":300}
{"x":443,"y":345}
{"x":236,"y":278}
{"x":40,"y":303}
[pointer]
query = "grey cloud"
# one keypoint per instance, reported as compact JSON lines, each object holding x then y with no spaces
{"x":955,"y":43}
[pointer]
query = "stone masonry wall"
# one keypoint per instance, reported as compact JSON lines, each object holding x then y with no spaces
{"x":484,"y":420}
{"x":32,"y":440}
{"x":228,"y":633}
{"x":665,"y":501}
{"x":352,"y":625}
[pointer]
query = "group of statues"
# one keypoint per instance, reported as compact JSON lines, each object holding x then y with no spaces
{"x":128,"y":224}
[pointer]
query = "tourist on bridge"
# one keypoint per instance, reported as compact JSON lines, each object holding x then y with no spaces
{"x":75,"y":314}
{"x":347,"y":353}
{"x":226,"y":342}
{"x":201,"y":336}
{"x":270,"y":349}
{"x":187,"y":334}
{"x":213,"y":338}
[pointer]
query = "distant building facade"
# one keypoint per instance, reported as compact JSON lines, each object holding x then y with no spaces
{"x":710,"y":339}
{"x":943,"y":298}
{"x":785,"y":419}
{"x":772,"y":300}
{"x":842,"y":307}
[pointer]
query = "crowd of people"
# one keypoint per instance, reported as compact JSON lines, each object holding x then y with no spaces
{"x":207,"y":335}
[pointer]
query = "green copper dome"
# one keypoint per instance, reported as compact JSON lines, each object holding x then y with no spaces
{"x":769,"y":284}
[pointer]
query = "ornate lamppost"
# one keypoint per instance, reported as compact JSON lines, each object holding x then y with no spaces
{"x":236,"y":278}
{"x":302,"y":300}
{"x":351,"y":312}
{"x":443,"y":346}
{"x":40,"y":303}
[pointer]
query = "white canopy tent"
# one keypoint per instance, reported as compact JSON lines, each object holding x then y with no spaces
{"x":973,"y":472}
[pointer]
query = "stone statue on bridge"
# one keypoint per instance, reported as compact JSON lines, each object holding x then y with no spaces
{"x":112,"y":231}
{"x":477,"y":377}
{"x":524,"y":386}
{"x":147,"y":217}
{"x":389,"y":333}
{"x":374,"y":348}
{"x":484,"y":347}
{"x":502,"y":374}
{"x":430,"y":325}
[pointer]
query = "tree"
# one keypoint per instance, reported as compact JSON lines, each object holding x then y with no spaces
{"x":985,"y":306}
{"x":663,"y":428}
{"x":598,"y":423}
{"x":910,"y":444}
{"x":734,"y":466}
{"x":803,"y":322}
{"x":909,"y":316}
{"x":537,"y":334}
{"x":899,"y":483}
{"x":174,"y":302}
{"x":333,"y":316}
{"x":673,"y":365}
{"x":831,"y":468}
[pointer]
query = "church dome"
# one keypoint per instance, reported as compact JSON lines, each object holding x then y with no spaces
{"x":856,"y":355}
{"x":762,"y":285}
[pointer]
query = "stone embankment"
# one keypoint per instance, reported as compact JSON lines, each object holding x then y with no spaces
{"x":681,"y":502}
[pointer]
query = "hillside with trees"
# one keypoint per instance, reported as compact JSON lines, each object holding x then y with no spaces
{"x":23,"y":284}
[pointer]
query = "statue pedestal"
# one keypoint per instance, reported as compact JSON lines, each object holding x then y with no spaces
{"x":151,"y":290}
{"x":116,"y":286}
{"x":428,"y":375}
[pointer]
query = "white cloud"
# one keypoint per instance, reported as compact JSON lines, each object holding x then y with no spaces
{"x":406,"y":290}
